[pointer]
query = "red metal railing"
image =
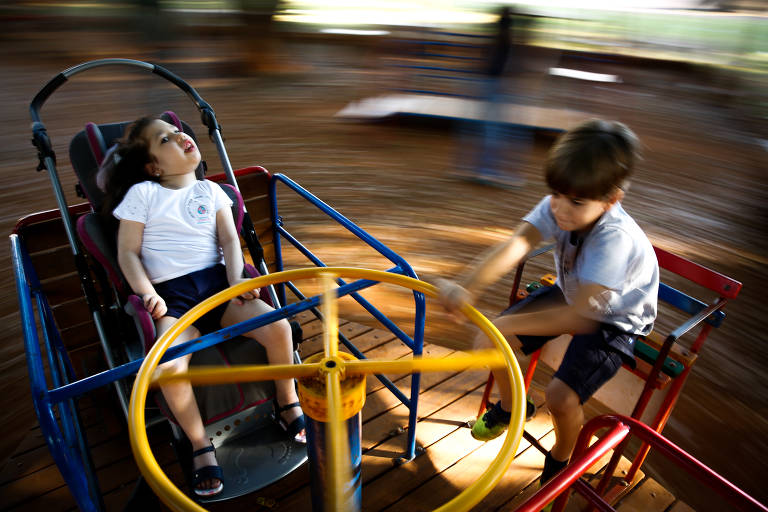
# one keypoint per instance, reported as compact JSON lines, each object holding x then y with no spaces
{"x":584,"y":456}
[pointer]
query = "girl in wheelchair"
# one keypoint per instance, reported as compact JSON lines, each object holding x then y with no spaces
{"x":177,"y":245}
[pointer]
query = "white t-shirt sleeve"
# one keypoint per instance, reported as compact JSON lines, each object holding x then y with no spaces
{"x":541,"y":218}
{"x":134,"y":206}
{"x":220,"y":198}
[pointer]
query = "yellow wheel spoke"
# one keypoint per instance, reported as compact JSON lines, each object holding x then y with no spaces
{"x":330,"y":310}
{"x":478,"y":358}
{"x":208,"y":375}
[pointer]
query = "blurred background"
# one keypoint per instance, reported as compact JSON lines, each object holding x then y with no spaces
{"x":384,"y":108}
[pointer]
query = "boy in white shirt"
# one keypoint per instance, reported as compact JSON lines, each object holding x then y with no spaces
{"x":607,"y":280}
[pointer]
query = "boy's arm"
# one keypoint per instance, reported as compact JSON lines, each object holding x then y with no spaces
{"x":573,"y":318}
{"x":500,"y":259}
{"x":129,"y":237}
{"x":233,"y":254}
{"x":489,"y":267}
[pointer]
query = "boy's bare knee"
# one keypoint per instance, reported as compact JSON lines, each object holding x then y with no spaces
{"x":561,"y":399}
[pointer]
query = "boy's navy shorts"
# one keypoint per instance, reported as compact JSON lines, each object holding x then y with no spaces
{"x":589,"y":362}
{"x":183,"y":293}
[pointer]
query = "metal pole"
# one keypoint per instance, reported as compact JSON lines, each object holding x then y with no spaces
{"x":316,"y":431}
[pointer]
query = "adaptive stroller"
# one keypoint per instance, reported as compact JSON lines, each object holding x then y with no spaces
{"x":251,"y":447}
{"x":78,"y":302}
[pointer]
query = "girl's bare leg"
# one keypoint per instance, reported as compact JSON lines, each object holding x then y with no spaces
{"x":181,"y":400}
{"x":276,"y":339}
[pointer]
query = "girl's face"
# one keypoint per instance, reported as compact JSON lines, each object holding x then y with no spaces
{"x":174,"y":153}
{"x":577,"y":214}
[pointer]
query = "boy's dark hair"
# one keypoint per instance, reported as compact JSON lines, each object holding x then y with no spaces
{"x":127,"y":165}
{"x":592,"y":160}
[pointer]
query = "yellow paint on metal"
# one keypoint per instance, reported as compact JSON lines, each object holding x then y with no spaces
{"x":175,"y":499}
{"x":313,"y":393}
{"x":477,"y":358}
{"x":209,"y":375}
{"x":330,"y":310}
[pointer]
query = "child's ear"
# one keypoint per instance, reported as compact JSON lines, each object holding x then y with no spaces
{"x":614,"y":198}
{"x":151,"y":169}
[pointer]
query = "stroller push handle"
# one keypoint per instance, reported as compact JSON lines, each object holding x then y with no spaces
{"x":62,"y":77}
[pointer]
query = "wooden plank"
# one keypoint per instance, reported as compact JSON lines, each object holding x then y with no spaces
{"x":259,"y":208}
{"x":383,"y":426}
{"x":427,"y":379}
{"x":36,"y":484}
{"x":458,"y":476}
{"x":649,"y":496}
{"x":44,"y":235}
{"x":53,"y":262}
{"x":71,"y":313}
{"x":63,"y":288}
{"x":680,"y":506}
{"x":410,"y":479}
{"x":520,"y":481}
{"x":439,"y":455}
{"x":37,"y":458}
{"x":380,"y":399}
{"x":263,"y":228}
{"x":56,"y":500}
{"x":112,"y":459}
{"x":430,"y":430}
{"x":363,"y":338}
{"x":252,"y":182}
{"x":79,"y":336}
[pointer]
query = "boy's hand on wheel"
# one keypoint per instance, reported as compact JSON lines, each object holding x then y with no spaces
{"x":452,"y":296}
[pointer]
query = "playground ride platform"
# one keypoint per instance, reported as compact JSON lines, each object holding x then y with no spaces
{"x":448,"y":462}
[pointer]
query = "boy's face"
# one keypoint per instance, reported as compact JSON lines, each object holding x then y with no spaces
{"x":577,"y":214}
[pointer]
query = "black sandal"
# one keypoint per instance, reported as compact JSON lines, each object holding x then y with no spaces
{"x":204,"y":473}
{"x":296,"y":426}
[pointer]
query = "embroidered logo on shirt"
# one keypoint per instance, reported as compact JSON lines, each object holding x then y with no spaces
{"x":199,"y":209}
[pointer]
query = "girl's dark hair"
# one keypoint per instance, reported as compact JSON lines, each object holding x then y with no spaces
{"x":128,"y":165}
{"x":592,"y":160}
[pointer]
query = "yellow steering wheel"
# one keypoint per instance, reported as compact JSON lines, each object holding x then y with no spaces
{"x":331,"y":368}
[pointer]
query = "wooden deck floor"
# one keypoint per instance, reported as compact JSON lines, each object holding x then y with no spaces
{"x":450,"y":461}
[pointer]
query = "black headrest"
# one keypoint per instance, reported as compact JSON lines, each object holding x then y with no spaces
{"x":89,"y":146}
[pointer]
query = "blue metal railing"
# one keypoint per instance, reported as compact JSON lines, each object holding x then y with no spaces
{"x":67,"y":445}
{"x":401,"y":267}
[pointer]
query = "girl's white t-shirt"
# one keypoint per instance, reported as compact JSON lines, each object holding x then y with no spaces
{"x":179,"y":226}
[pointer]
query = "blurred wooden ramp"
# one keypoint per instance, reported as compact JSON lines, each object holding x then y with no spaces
{"x":468,"y":109}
